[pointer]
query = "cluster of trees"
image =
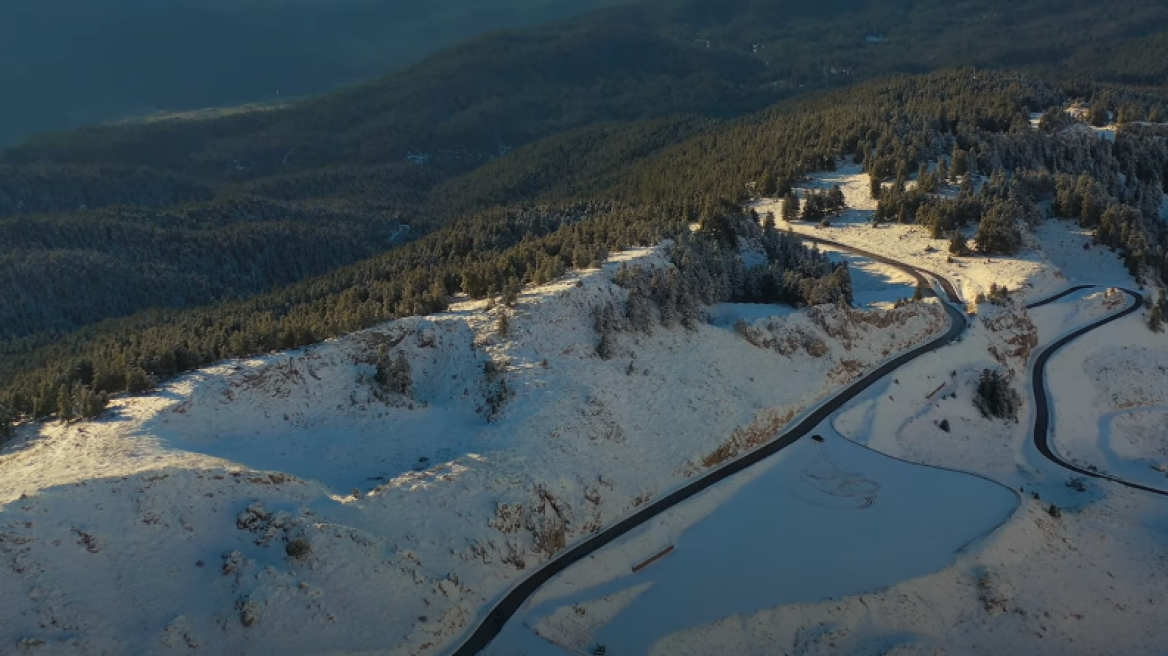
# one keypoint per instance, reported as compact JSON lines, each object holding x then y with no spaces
{"x":708,"y":268}
{"x":998,"y":295}
{"x":818,"y":205}
{"x":394,"y":375}
{"x":75,"y":395}
{"x":995,"y":397}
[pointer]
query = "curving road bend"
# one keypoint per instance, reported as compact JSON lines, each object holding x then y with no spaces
{"x":514,"y":600}
{"x":1042,"y":437}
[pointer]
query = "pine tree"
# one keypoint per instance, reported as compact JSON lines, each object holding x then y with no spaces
{"x":1156,"y":319}
{"x":768,"y":186}
{"x":64,"y":404}
{"x":403,"y":376}
{"x":836,"y":198}
{"x":89,"y":404}
{"x":874,"y":185}
{"x":960,"y":162}
{"x":394,"y":376}
{"x":511,"y":292}
{"x":7,"y":419}
{"x":791,"y":207}
{"x":959,"y":245}
{"x":966,"y":188}
{"x":44,"y":402}
{"x":999,"y":233}
{"x":137,"y":382}
{"x":1098,"y":114}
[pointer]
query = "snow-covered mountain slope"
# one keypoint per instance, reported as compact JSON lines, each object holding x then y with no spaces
{"x":288,"y":504}
{"x":1077,"y":570}
{"x":1090,"y":581}
{"x":292,"y":504}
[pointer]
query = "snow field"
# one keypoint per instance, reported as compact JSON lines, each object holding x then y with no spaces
{"x":418,"y":510}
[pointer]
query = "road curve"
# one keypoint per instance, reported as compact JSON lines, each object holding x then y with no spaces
{"x":915,"y":272}
{"x":513,"y":600}
{"x":1042,"y":438}
{"x":1059,"y":296}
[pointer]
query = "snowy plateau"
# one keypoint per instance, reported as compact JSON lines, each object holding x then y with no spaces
{"x":283,"y":505}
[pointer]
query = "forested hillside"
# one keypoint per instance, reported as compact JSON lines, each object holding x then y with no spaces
{"x":65,"y":63}
{"x":507,"y":159}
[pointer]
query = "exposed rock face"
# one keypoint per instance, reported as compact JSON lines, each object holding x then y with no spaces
{"x":1013,"y":337}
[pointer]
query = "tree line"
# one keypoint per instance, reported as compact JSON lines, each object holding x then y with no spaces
{"x":938,"y":131}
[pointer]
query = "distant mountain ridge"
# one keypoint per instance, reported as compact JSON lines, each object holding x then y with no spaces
{"x":66,"y":63}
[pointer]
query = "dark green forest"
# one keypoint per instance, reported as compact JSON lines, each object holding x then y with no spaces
{"x":67,"y":63}
{"x":132,"y":253}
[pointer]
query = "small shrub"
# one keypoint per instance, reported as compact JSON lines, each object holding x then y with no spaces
{"x":498,"y":392}
{"x":606,"y":349}
{"x":1156,"y":319}
{"x":999,"y":295}
{"x":299,"y":548}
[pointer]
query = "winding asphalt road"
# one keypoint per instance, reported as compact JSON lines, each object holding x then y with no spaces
{"x":1042,"y":438}
{"x":513,"y":600}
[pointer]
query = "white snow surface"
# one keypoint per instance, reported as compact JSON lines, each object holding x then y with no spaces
{"x":164,"y":525}
{"x":1116,"y":422}
{"x":820,"y":520}
{"x":162,"y":528}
